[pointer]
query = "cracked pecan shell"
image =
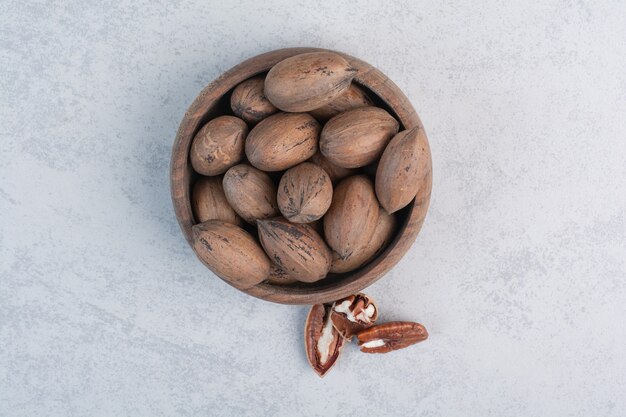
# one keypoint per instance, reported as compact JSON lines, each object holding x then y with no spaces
{"x":322,"y":342}
{"x":353,"y":314}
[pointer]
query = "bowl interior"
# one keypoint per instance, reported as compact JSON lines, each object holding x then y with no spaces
{"x":214,"y":101}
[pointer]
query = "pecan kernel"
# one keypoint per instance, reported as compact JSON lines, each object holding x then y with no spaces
{"x":353,"y":314}
{"x":391,"y":336}
{"x":322,"y":342}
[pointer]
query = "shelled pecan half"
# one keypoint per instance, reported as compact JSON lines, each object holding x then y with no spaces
{"x":390,"y":336}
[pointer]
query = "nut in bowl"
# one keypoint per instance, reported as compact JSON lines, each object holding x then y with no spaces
{"x":308,"y":127}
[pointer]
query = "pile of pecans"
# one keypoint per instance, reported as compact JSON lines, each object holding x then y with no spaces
{"x":329,"y":326}
{"x":303,"y":179}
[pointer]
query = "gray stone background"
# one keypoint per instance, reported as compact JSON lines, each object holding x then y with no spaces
{"x":519,"y":273}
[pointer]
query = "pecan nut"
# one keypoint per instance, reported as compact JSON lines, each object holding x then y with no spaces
{"x":390,"y":336}
{"x":322,"y":342}
{"x":353,"y":314}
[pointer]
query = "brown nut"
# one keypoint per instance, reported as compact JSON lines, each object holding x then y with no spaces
{"x":352,"y":314}
{"x":394,"y":335}
{"x":357,"y":137}
{"x":352,"y":217}
{"x":352,"y":98}
{"x":400,"y":169}
{"x":296,"y":248}
{"x":231,"y":253}
{"x":209,"y":202}
{"x":304,"y":193}
{"x":335,"y":172}
{"x":248,"y":101}
{"x":322,"y":342}
{"x":307,"y":81}
{"x":282,"y":141}
{"x":250,"y":192}
{"x":383,"y":233}
{"x":218,"y":145}
{"x":278,"y":276}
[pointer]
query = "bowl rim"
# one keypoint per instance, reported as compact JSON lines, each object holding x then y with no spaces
{"x":352,"y":282}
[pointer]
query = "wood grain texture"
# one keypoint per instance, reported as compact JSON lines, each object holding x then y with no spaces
{"x":207,"y":105}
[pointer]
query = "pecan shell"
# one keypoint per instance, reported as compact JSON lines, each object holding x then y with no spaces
{"x":353,"y":314}
{"x":390,"y":336}
{"x":322,"y":342}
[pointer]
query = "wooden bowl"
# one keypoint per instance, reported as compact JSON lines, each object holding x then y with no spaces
{"x":214,"y":100}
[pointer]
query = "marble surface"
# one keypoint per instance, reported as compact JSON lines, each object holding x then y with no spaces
{"x":519,"y":273}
